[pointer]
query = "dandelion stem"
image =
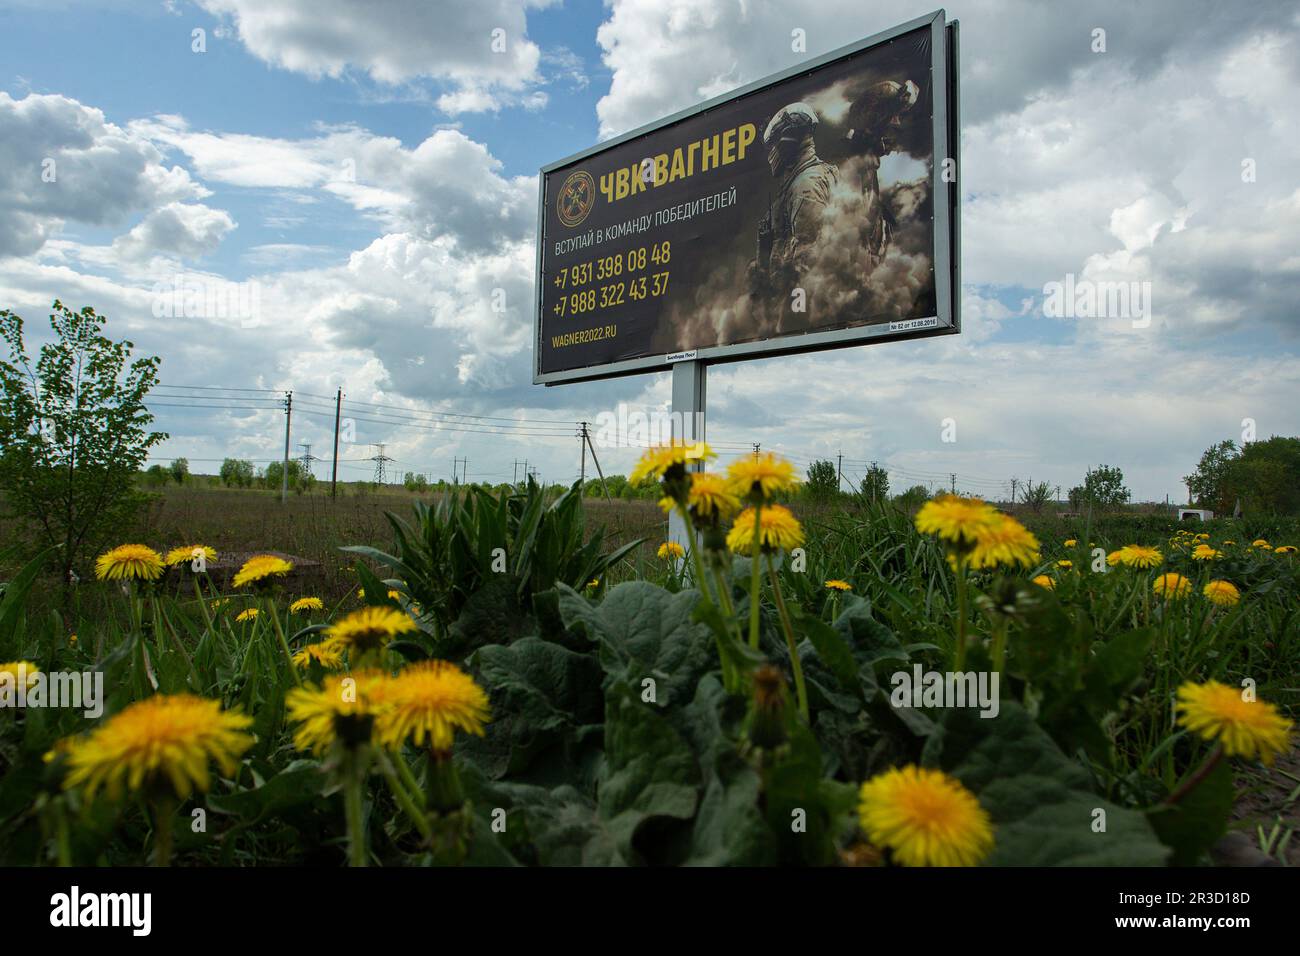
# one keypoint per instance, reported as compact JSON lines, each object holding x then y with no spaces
{"x":754,"y":558}
{"x":959,"y":657}
{"x":353,"y":808}
{"x":403,"y":797}
{"x":163,"y":810}
{"x":1194,"y":780}
{"x":795,"y":664}
{"x":284,"y":644}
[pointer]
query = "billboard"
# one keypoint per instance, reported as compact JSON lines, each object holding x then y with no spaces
{"x":814,"y":209}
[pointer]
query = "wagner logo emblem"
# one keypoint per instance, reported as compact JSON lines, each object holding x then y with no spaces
{"x":577,"y":196}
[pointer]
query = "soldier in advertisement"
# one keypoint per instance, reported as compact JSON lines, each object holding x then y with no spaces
{"x":875,"y":120}
{"x":789,"y":230}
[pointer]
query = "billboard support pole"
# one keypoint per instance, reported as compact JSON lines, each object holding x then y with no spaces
{"x":689,"y":381}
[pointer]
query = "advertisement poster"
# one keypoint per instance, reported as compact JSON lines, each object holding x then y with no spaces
{"x":802,"y":207}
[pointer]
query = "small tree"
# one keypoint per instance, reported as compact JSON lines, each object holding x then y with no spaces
{"x":823,"y":480}
{"x":74,"y":431}
{"x":913,"y":498}
{"x":180,"y":470}
{"x":1036,"y":496}
{"x":1103,"y":487}
{"x":875,"y":484}
{"x":237,"y":472}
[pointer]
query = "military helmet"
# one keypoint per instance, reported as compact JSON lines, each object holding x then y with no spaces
{"x":793,"y":122}
{"x":882,"y":103}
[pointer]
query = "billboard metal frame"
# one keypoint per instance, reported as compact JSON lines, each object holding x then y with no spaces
{"x":946,"y":259}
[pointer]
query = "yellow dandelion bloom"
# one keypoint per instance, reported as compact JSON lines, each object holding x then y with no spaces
{"x":1260,"y":543}
{"x":1245,"y":728}
{"x":369,"y":628}
{"x":187,"y":554}
{"x":11,"y":672}
{"x":1203,"y":552}
{"x":1004,"y":542}
{"x":1172,"y":586}
{"x":958,"y":521}
{"x":925,"y":817}
{"x":1043,"y":581}
{"x":710,"y":496}
{"x":671,"y":551}
{"x":430,"y":701}
{"x":218,"y":604}
{"x":779,"y":530}
{"x":838,"y":585}
{"x":1070,"y":543}
{"x":1285,"y":549}
{"x":166,"y":739}
{"x":1065,"y":563}
{"x":249,"y":614}
{"x":1223,"y":593}
{"x":261,"y":569}
{"x":303,"y":605}
{"x":325,"y":653}
{"x":1202,"y":537}
{"x":759,"y":477}
{"x":344,"y":702}
{"x":1137,"y":556}
{"x":129,"y":562}
{"x":660,"y":459}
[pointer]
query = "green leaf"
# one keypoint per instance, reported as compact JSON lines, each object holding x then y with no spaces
{"x":1195,"y":823}
{"x":1042,"y":805}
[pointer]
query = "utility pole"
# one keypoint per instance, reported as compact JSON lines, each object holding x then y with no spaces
{"x":839,"y":472}
{"x":1013,"y":491}
{"x":284,"y":465}
{"x":587,"y":438}
{"x":954,"y":482}
{"x":334,"y":476}
{"x":756,"y":447}
{"x":306,"y":460}
{"x":582,"y":443}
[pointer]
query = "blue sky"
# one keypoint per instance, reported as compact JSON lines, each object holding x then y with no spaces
{"x":1116,"y":165}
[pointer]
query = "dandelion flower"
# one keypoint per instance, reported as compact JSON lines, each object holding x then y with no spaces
{"x":303,"y":605}
{"x":1065,"y":563}
{"x":187,"y":554}
{"x":956,"y":520}
{"x":325,"y":653}
{"x":1202,"y":537}
{"x":670,"y":551}
{"x":11,"y":672}
{"x":661,"y":459}
{"x":1223,"y":593}
{"x":261,"y":569}
{"x":1140,"y":556}
{"x":369,"y":628}
{"x":1172,"y":586}
{"x":1070,"y":543}
{"x":1203,"y":552}
{"x":344,"y":705}
{"x":759,"y":477}
{"x":779,"y":530}
{"x":430,"y":701}
{"x":166,"y":739}
{"x":1245,"y":728}
{"x":128,"y":562}
{"x":1043,"y":581}
{"x":1005,"y":542}
{"x":1260,"y":543}
{"x":249,"y":614}
{"x":1285,"y":549}
{"x":926,"y":817}
{"x":710,"y":497}
{"x":838,"y":585}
